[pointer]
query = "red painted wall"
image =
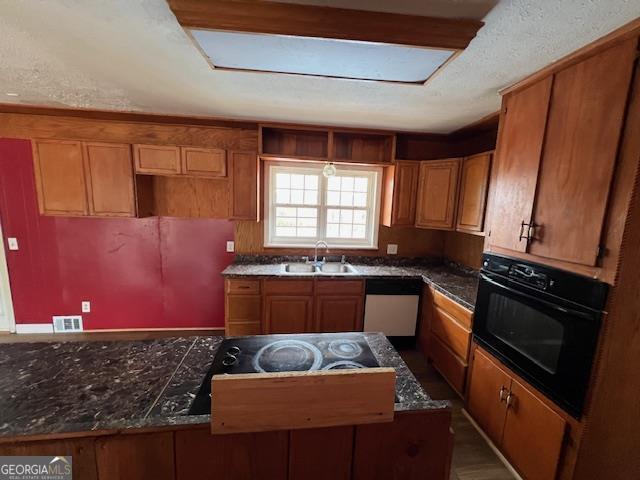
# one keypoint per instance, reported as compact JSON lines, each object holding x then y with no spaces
{"x":138,"y":273}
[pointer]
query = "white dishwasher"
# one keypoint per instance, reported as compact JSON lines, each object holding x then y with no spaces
{"x":391,"y":306}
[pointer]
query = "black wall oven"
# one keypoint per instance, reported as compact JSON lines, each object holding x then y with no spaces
{"x":541,"y":322}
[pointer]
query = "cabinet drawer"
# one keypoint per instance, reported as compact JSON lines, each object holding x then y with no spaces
{"x":243,"y":287}
{"x":243,"y":308}
{"x":454,"y":309}
{"x":340,"y":287}
{"x":448,"y":364}
{"x":452,"y":334}
{"x":248,"y":328}
{"x":288,"y":287}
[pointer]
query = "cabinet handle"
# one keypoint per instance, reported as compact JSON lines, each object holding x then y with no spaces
{"x":522,"y":236}
{"x":510,"y":398}
{"x":530,"y":228}
{"x":503,"y":390}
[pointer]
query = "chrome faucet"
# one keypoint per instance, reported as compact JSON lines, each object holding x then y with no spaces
{"x":315,"y":256}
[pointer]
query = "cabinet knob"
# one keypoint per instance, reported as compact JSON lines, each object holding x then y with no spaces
{"x":510,"y":399}
{"x":503,"y":392}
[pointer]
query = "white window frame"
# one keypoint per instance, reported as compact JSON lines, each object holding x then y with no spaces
{"x":373,"y":213}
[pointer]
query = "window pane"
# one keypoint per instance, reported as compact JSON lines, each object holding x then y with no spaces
{"x":334,"y":183}
{"x":333,"y":198}
{"x":306,"y":232}
{"x":346,"y":199}
{"x":360,"y":217}
{"x":360,"y":199}
{"x":359,"y":231}
{"x":347,"y":184}
{"x":307,"y":212}
{"x":307,"y":222}
{"x":297,"y":196}
{"x":346,"y":216}
{"x":310,"y":197}
{"x":285,"y":212}
{"x":311,"y":182}
{"x":345,"y":231}
{"x":333,"y":230}
{"x":283,"y":180}
{"x":286,"y":231}
{"x":282,"y":196}
{"x":333,"y":215}
{"x":361,"y":184}
{"x":285,"y":222}
{"x":297,"y":181}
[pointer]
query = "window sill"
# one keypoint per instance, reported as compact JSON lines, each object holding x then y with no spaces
{"x":312,"y":246}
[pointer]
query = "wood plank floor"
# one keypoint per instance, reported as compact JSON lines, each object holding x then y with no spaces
{"x":472,"y":457}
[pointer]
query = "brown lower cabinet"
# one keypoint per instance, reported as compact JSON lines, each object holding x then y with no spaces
{"x":528,"y":432}
{"x":415,"y":446}
{"x":293,"y":306}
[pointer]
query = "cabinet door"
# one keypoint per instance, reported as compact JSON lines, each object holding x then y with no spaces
{"x":405,"y":190}
{"x":243,"y":182}
{"x":288,"y":314}
{"x":583,"y":132}
{"x":337,"y":313}
{"x":109,"y":175}
{"x":157,"y":159}
{"x":533,"y":435}
{"x":437,"y":194}
{"x":141,"y":456}
{"x":474,"y":181}
{"x":243,"y":314}
{"x":204,"y":162}
{"x":486,"y":398}
{"x":60,"y":180}
{"x":517,"y":158}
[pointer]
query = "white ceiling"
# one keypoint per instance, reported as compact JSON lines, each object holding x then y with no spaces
{"x":132,"y":55}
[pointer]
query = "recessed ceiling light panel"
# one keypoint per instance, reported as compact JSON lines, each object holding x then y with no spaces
{"x":319,"y":56}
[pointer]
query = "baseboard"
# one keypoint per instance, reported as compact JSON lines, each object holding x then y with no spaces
{"x":176,"y":329}
{"x":492,"y":446}
{"x":34,"y":327}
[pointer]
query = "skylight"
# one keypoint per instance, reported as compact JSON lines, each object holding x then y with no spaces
{"x":319,"y":56}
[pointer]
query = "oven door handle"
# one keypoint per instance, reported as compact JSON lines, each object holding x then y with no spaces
{"x":550,"y":305}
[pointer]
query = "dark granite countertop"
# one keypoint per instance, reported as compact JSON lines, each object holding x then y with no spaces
{"x":458,"y":283}
{"x":62,"y":387}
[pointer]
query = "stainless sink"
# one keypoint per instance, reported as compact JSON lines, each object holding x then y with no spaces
{"x":337,"y":268}
{"x":299,"y":268}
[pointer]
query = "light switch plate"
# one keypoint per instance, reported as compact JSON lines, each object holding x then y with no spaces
{"x":231,"y":246}
{"x":13,"y":243}
{"x":392,"y":249}
{"x":86,"y":306}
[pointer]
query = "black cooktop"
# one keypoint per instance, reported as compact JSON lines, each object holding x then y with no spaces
{"x":284,"y":353}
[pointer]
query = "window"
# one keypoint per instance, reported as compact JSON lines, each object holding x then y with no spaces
{"x":305,"y":206}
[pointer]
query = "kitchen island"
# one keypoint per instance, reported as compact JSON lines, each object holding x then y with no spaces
{"x":121,"y":409}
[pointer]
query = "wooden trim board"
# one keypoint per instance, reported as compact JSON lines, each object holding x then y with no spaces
{"x":263,"y":402}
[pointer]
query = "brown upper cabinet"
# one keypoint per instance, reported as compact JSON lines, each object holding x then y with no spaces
{"x":437,"y":194}
{"x":60,"y":179}
{"x":244,"y":185}
{"x":174,"y":160}
{"x":79,"y":179}
{"x":400,"y":192}
{"x":110,"y":183}
{"x":555,"y":159}
{"x":474,"y":183}
{"x":362,"y":147}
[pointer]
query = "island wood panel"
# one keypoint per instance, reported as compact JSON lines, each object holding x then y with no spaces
{"x":245,"y":456}
{"x":204,"y":162}
{"x":517,"y":159}
{"x":321,"y":453}
{"x":288,"y":313}
{"x":584,"y":127}
{"x":416,"y":446}
{"x":486,"y":396}
{"x":148,"y":456}
{"x":109,"y":178}
{"x":405,"y":191}
{"x":474,"y":183}
{"x":17,"y":125}
{"x":338,"y":313}
{"x":60,"y":177}
{"x":157,"y":159}
{"x":80,"y":449}
{"x":244,"y":185}
{"x":289,"y":400}
{"x":437,"y":194}
{"x":533,"y":434}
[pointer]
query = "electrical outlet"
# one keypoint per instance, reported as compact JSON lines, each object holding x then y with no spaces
{"x":86,"y":306}
{"x":231,"y":246}
{"x":392,"y":249}
{"x":13,"y":243}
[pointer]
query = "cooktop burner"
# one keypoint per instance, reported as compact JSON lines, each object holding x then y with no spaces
{"x":284,"y":353}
